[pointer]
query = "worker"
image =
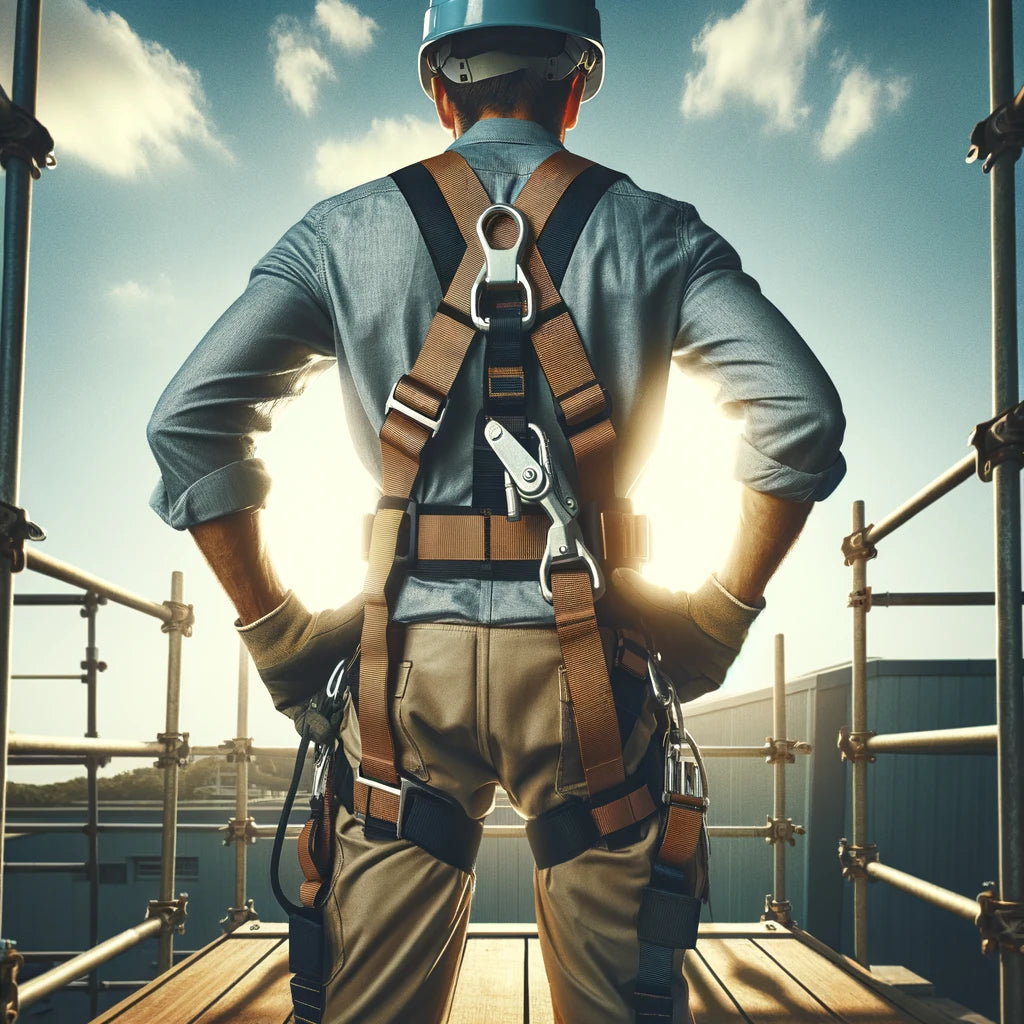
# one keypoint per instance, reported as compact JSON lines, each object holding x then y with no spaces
{"x":503,"y":624}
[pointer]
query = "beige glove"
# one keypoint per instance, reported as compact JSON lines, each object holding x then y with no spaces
{"x":295,"y":651}
{"x":698,"y":635}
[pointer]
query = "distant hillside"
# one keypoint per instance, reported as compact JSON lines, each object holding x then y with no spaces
{"x":196,"y":782}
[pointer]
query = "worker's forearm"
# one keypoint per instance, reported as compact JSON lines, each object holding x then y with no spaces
{"x":237,"y":552}
{"x":767,"y":529}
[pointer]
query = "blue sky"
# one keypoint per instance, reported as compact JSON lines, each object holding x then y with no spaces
{"x":825,"y":140}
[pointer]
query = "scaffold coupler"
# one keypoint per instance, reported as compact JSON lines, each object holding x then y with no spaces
{"x":23,"y":136}
{"x":15,"y":529}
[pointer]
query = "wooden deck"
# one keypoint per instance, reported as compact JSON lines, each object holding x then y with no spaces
{"x":756,"y":973}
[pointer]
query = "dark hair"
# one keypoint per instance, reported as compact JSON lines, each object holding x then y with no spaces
{"x":526,"y":91}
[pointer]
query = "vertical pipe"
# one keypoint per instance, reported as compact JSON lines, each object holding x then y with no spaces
{"x":859,"y":699}
{"x":13,"y":314}
{"x":91,"y":666}
{"x":168,"y":849}
{"x":1009,"y":684}
{"x":779,"y":733}
{"x":242,"y":775}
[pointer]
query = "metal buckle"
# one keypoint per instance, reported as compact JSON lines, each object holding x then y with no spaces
{"x":501,"y":267}
{"x":432,"y":425}
{"x":399,"y":791}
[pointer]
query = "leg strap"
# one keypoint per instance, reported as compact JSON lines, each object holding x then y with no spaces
{"x":422,"y":814}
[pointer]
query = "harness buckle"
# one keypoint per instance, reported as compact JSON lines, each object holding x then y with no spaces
{"x":405,"y":553}
{"x":501,"y":268}
{"x":432,"y":425}
{"x":399,"y":791}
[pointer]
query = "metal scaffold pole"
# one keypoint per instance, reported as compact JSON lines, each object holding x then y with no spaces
{"x":1006,"y":480}
{"x":779,"y":768}
{"x":13,"y":314}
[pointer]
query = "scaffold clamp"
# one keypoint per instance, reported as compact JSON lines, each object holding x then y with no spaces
{"x":172,"y":913}
{"x":1000,"y":439}
{"x":237,"y":750}
{"x":177,"y":751}
{"x":857,"y":546}
{"x":241,"y":830}
{"x":783,"y":751}
{"x":780,"y":911}
{"x":999,"y":133}
{"x":1001,"y":922}
{"x":782,"y":830}
{"x":15,"y":529}
{"x":237,"y":916}
{"x":182,"y":618}
{"x":854,"y":860}
{"x":10,"y":962}
{"x":853,"y":746}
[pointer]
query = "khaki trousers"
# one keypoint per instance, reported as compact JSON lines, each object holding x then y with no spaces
{"x":474,"y":707}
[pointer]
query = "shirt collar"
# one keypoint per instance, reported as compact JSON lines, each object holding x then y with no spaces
{"x":508,"y":130}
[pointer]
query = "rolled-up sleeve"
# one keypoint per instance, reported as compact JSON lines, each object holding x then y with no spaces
{"x":258,"y":355}
{"x":764,"y":372}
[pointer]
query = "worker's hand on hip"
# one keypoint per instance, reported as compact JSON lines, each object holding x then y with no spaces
{"x":698,"y":635}
{"x":296,"y":651}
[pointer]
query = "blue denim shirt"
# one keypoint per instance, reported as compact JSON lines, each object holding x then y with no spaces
{"x":649,"y":284}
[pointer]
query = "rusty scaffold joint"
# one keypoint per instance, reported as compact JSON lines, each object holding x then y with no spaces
{"x":240,"y":830}
{"x":783,"y":751}
{"x":10,"y":962}
{"x":177,"y":751}
{"x":237,"y":750}
{"x":779,"y":911}
{"x":852,"y":746}
{"x":1000,"y":439}
{"x":857,"y":546}
{"x":237,"y":916}
{"x":172,"y":913}
{"x":1001,"y":922}
{"x":860,"y":599}
{"x":854,"y":860}
{"x":15,"y":529}
{"x":782,"y":830}
{"x":182,"y":618}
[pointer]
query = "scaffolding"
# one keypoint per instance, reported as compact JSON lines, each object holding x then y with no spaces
{"x":999,"y":450}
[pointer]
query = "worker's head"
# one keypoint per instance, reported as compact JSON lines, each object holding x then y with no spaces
{"x":533,"y":59}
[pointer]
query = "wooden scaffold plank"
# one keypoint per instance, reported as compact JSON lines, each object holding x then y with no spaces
{"x":541,"y":1011}
{"x":491,"y":983}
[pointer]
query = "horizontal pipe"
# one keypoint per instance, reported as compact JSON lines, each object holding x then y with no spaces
{"x":35,"y":675}
{"x":935,"y":599}
{"x":261,"y":751}
{"x":32,"y":991}
{"x":39,"y":828}
{"x":962,"y":906}
{"x":48,"y":600}
{"x":106,"y":986}
{"x":24,"y":744}
{"x":52,"y":867}
{"x":726,"y":831}
{"x":974,"y":739}
{"x":55,"y":759}
{"x":47,"y":566}
{"x":942,"y":485}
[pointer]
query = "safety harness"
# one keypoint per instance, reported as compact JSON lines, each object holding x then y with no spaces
{"x":500,"y":267}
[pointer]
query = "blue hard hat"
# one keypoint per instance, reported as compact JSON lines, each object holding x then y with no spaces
{"x":578,"y":19}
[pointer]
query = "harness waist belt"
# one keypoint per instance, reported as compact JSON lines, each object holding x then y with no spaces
{"x":620,"y":538}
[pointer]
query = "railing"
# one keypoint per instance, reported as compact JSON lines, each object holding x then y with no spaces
{"x":166,"y":913}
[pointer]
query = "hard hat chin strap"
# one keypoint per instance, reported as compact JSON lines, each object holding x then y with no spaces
{"x":482,"y":66}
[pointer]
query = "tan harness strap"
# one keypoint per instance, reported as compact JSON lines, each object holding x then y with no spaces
{"x":586,"y":674}
{"x":682,"y":830}
{"x":418,"y":403}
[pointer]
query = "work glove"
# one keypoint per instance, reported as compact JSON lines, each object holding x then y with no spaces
{"x":296,"y":652}
{"x":698,"y":635}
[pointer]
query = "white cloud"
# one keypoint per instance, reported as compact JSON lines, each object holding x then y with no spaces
{"x":299,"y":67}
{"x":120,"y":103}
{"x":132,"y":293}
{"x":860,"y":100}
{"x":347,"y":28}
{"x":756,"y":56}
{"x":389,"y":144}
